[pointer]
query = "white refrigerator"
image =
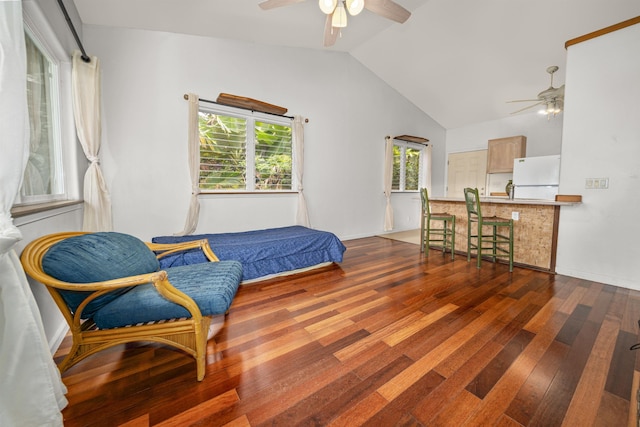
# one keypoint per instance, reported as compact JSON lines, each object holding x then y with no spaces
{"x":536,"y":177}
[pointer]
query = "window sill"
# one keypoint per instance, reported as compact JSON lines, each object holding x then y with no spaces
{"x":24,"y":210}
{"x":263,"y":192}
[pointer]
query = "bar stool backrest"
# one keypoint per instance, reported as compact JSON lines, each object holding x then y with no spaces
{"x":472,"y":201}
{"x":424,"y":195}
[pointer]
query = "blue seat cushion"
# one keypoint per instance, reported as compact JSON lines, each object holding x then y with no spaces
{"x":211,"y":285}
{"x":96,"y":257}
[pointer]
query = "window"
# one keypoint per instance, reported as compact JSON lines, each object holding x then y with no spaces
{"x":244,"y":151}
{"x":408,"y":160}
{"x":43,"y":174}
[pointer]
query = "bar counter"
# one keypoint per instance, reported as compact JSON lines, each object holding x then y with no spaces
{"x":535,"y":233}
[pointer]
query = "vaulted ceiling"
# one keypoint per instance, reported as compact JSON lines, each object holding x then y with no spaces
{"x":457,"y":60}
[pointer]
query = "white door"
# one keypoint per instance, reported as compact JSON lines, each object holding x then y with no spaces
{"x":467,"y":169}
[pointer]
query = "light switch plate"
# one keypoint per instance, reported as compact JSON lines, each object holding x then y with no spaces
{"x":596,"y":183}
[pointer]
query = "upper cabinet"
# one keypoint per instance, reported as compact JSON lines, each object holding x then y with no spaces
{"x":503,"y":151}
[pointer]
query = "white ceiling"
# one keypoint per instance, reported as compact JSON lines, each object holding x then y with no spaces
{"x":457,"y":60}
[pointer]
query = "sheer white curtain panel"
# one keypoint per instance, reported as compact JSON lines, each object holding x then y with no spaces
{"x":85,"y":82}
{"x":302,"y":216}
{"x":31,"y":390}
{"x":193,"y":141}
{"x":427,"y":166}
{"x":388,"y":178}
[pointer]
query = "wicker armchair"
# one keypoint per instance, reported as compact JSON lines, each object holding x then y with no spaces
{"x":111,"y":291}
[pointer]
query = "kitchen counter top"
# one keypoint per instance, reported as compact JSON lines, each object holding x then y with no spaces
{"x":506,"y":200}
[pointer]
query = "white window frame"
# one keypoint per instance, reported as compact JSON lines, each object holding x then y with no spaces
{"x":251,"y":117}
{"x":65,"y":140}
{"x":422,"y":181}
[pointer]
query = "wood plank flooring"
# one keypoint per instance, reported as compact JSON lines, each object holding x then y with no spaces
{"x":387,"y":338}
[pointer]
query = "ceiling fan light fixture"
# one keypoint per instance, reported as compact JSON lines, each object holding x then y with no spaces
{"x":336,"y":13}
{"x":559,"y":104}
{"x":327,"y":6}
{"x":355,"y":6}
{"x":551,"y":108}
{"x":339,"y":19}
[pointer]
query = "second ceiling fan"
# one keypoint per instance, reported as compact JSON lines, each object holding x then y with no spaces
{"x":336,"y":11}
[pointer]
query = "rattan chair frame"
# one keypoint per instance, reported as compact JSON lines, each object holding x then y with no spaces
{"x":186,"y":334}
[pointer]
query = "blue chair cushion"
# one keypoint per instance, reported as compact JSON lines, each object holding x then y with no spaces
{"x":96,"y":257}
{"x":211,"y":285}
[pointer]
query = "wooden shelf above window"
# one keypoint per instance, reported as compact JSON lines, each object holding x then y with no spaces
{"x":250,"y":104}
{"x":409,"y":138}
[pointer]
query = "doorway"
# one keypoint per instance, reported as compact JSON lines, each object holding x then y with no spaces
{"x":466,"y":169}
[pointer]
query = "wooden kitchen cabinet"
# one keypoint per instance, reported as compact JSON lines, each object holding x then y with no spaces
{"x":502,"y":151}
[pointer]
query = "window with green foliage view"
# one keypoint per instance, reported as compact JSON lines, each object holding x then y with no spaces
{"x":407,"y":161}
{"x":43,"y":177}
{"x":244,"y":153}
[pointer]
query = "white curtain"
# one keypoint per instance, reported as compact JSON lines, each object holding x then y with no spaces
{"x":193,"y":139}
{"x":85,"y":78}
{"x":388,"y":177}
{"x":302,"y":216}
{"x":31,"y":391}
{"x":427,"y":166}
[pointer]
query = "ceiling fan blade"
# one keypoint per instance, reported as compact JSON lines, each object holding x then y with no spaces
{"x":272,"y":4}
{"x":525,"y":100}
{"x":330,"y":33}
{"x":526,"y":108}
{"x":388,"y":9}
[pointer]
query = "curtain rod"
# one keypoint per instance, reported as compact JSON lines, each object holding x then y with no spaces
{"x":84,"y":56}
{"x":263,"y":112}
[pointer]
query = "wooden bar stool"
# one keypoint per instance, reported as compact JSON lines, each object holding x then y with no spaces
{"x":444,"y":237}
{"x":498,"y":245}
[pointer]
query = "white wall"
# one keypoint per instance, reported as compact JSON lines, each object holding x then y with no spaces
{"x":544,"y":136}
{"x":144,"y":156}
{"x":601,"y":139}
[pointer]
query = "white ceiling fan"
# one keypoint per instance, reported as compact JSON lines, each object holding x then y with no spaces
{"x":336,"y":11}
{"x":552,"y":98}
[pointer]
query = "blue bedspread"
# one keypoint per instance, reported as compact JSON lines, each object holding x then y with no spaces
{"x":262,"y":252}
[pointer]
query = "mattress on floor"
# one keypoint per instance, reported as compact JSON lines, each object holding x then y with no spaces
{"x":263,"y":252}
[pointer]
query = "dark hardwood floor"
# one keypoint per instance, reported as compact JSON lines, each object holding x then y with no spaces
{"x":389,"y":337}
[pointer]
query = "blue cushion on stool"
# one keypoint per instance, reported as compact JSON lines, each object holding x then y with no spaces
{"x":211,"y":285}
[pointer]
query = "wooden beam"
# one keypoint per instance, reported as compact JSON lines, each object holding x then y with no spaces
{"x":603,"y":31}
